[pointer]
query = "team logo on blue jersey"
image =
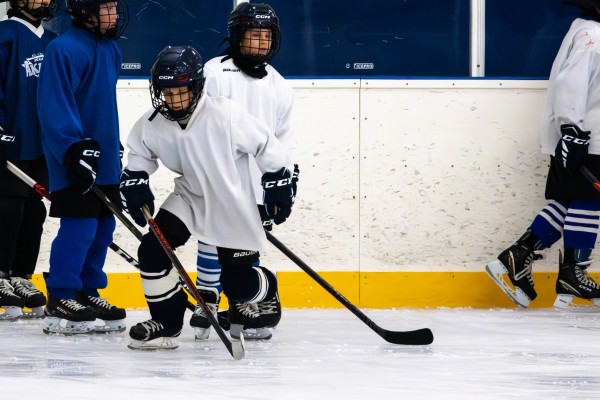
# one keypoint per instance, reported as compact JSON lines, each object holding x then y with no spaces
{"x":33,"y":65}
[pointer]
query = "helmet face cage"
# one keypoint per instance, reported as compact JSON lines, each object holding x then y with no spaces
{"x":106,"y":18}
{"x":250,"y":15}
{"x":177,"y":67}
{"x":44,"y":12}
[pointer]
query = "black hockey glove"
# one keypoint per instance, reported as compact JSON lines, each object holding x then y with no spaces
{"x":6,"y":139}
{"x":81,"y":162}
{"x":572,"y":149}
{"x":135,"y":192}
{"x":278,"y":194}
{"x":267,"y":222}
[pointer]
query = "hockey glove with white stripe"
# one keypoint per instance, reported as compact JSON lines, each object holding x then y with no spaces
{"x":81,"y":162}
{"x":279,"y":194}
{"x":6,"y":139}
{"x":572,"y":149}
{"x":135,"y":192}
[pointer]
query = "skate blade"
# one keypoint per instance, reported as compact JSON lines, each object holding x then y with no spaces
{"x":103,"y":326}
{"x":10,"y":313}
{"x":499,"y":274}
{"x":163,"y":343}
{"x":58,"y":326}
{"x":250,"y":334}
{"x":571,"y":303}
{"x":201,"y":333}
{"x":33,"y":313}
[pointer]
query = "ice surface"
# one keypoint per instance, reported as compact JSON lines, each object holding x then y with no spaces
{"x":321,"y":354}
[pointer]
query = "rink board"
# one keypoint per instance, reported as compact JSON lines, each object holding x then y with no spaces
{"x":367,"y":290}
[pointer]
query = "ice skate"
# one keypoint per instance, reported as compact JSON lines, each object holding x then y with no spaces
{"x":199,"y":320}
{"x":515,"y":263}
{"x":34,"y":300}
{"x":152,"y":335}
{"x":245,"y":319}
{"x":109,"y":318}
{"x":67,"y":317}
{"x":575,"y":289}
{"x":10,"y":302}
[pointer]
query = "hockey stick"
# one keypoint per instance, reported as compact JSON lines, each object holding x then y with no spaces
{"x":129,"y":225}
{"x":588,"y":174}
{"x":237,"y":348}
{"x":417,"y":337}
{"x":117,"y":212}
{"x":42,"y":191}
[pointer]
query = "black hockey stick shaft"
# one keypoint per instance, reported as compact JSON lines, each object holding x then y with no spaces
{"x":117,"y":212}
{"x":590,"y":177}
{"x":129,"y":225}
{"x":45,"y":193}
{"x":42,"y":191}
{"x":417,"y":337}
{"x":236,"y":347}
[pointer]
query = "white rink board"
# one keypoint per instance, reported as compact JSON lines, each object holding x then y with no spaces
{"x":395,"y":175}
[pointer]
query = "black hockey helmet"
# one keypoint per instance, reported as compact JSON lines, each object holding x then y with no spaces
{"x":87,"y":12}
{"x":177,"y":66}
{"x":253,"y":15}
{"x":45,"y":12}
{"x":589,"y":8}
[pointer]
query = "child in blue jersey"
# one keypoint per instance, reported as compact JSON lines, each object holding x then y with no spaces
{"x":23,"y":42}
{"x":77,"y":106}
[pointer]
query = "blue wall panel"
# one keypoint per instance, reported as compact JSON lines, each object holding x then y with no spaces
{"x":353,"y":38}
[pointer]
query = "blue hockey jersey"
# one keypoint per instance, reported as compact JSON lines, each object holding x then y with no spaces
{"x":77,"y":99}
{"x":22,"y":48}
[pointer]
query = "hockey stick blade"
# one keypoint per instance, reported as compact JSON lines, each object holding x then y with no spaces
{"x":237,"y":348}
{"x":419,"y":337}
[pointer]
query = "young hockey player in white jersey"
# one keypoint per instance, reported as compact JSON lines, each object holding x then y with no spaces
{"x":23,"y":41}
{"x":571,"y":136}
{"x":245,"y":76}
{"x":208,"y":142}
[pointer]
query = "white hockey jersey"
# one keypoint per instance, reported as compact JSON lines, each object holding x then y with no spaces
{"x":214,"y":195}
{"x":270,"y":99}
{"x":573,"y":95}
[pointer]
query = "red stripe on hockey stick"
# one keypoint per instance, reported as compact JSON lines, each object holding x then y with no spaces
{"x":237,"y":348}
{"x":590,"y":177}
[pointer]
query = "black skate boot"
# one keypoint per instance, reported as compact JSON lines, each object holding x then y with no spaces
{"x":67,"y":317}
{"x":152,"y":335}
{"x":575,"y":289}
{"x":10,"y":301}
{"x":112,"y":316}
{"x":199,"y":320}
{"x":245,"y":318}
{"x":516,"y":262}
{"x":33,"y":299}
